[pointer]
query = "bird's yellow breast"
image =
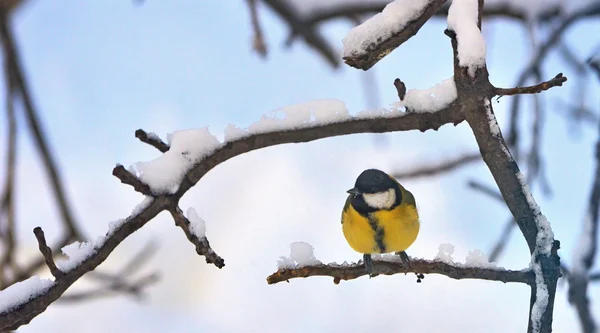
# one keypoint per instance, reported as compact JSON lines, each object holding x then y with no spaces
{"x":394,"y":229}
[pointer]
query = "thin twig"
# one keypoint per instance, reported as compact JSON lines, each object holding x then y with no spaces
{"x":7,"y":207}
{"x":31,"y":114}
{"x":400,"y":88}
{"x":128,"y":178}
{"x":134,"y":288}
{"x":439,"y":168}
{"x":509,"y":226}
{"x":557,"y":81}
{"x":47,"y":253}
{"x":152,"y":139}
{"x":490,"y":192}
{"x":201,"y":243}
{"x":585,"y":256}
{"x":258,"y":43}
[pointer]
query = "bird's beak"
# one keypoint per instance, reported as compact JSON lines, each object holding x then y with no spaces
{"x":353,"y":191}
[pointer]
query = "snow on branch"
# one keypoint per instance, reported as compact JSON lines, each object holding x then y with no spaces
{"x":369,"y":42}
{"x":463,"y":20}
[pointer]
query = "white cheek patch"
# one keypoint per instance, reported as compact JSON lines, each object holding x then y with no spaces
{"x":380,"y":200}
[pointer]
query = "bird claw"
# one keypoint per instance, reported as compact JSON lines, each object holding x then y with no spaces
{"x":405,"y":259}
{"x":368,"y":264}
{"x":407,"y":263}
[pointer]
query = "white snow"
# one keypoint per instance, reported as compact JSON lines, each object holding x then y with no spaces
{"x":77,"y":252}
{"x":545,"y":236}
{"x":22,"y":292}
{"x":477,"y":258}
{"x":165,"y":173}
{"x":494,"y":127}
{"x":431,"y":99}
{"x":462,"y":19}
{"x":541,"y":297}
{"x":393,"y":19}
{"x":301,"y":115}
{"x":114,"y":225}
{"x":301,"y":254}
{"x":142,"y":205}
{"x":153,"y":136}
{"x":543,"y":246}
{"x":197,"y":224}
{"x":445,"y":253}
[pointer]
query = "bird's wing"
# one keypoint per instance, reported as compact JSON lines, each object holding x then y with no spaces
{"x":407,"y":197}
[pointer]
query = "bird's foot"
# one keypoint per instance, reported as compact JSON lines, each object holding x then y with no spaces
{"x":407,"y":263}
{"x":368,"y":264}
{"x":405,"y":259}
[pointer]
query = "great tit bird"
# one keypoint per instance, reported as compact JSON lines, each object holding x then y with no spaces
{"x":380,"y":216}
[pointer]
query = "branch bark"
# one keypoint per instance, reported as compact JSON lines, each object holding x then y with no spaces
{"x":419,"y":266}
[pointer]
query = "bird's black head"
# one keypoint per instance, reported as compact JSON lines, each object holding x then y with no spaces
{"x":372,"y":181}
{"x":374,"y":190}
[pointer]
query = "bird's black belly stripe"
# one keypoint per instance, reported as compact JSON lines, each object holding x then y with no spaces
{"x":379,"y":232}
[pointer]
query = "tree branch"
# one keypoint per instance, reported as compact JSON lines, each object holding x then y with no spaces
{"x":585,"y":254}
{"x":7,"y":207}
{"x":152,"y":139}
{"x":258,"y":43}
{"x":442,"y":167}
{"x":383,"y":267}
{"x":47,"y":253}
{"x":557,"y":81}
{"x":202,"y":245}
{"x":13,"y":61}
{"x":128,"y":178}
{"x":381,"y":47}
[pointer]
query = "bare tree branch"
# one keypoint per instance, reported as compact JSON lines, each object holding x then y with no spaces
{"x":383,"y":267}
{"x":31,"y":114}
{"x":310,"y":34}
{"x":258,"y":43}
{"x":134,"y":288}
{"x":503,"y":240}
{"x":557,"y":81}
{"x":441,"y":167}
{"x":7,"y":207}
{"x":585,"y":254}
{"x":490,"y":192}
{"x":47,"y":253}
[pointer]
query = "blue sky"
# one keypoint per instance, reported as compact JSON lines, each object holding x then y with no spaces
{"x":101,"y":70}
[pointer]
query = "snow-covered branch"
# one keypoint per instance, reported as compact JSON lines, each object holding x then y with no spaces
{"x":472,"y":79}
{"x":389,"y":267}
{"x":369,"y":42}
